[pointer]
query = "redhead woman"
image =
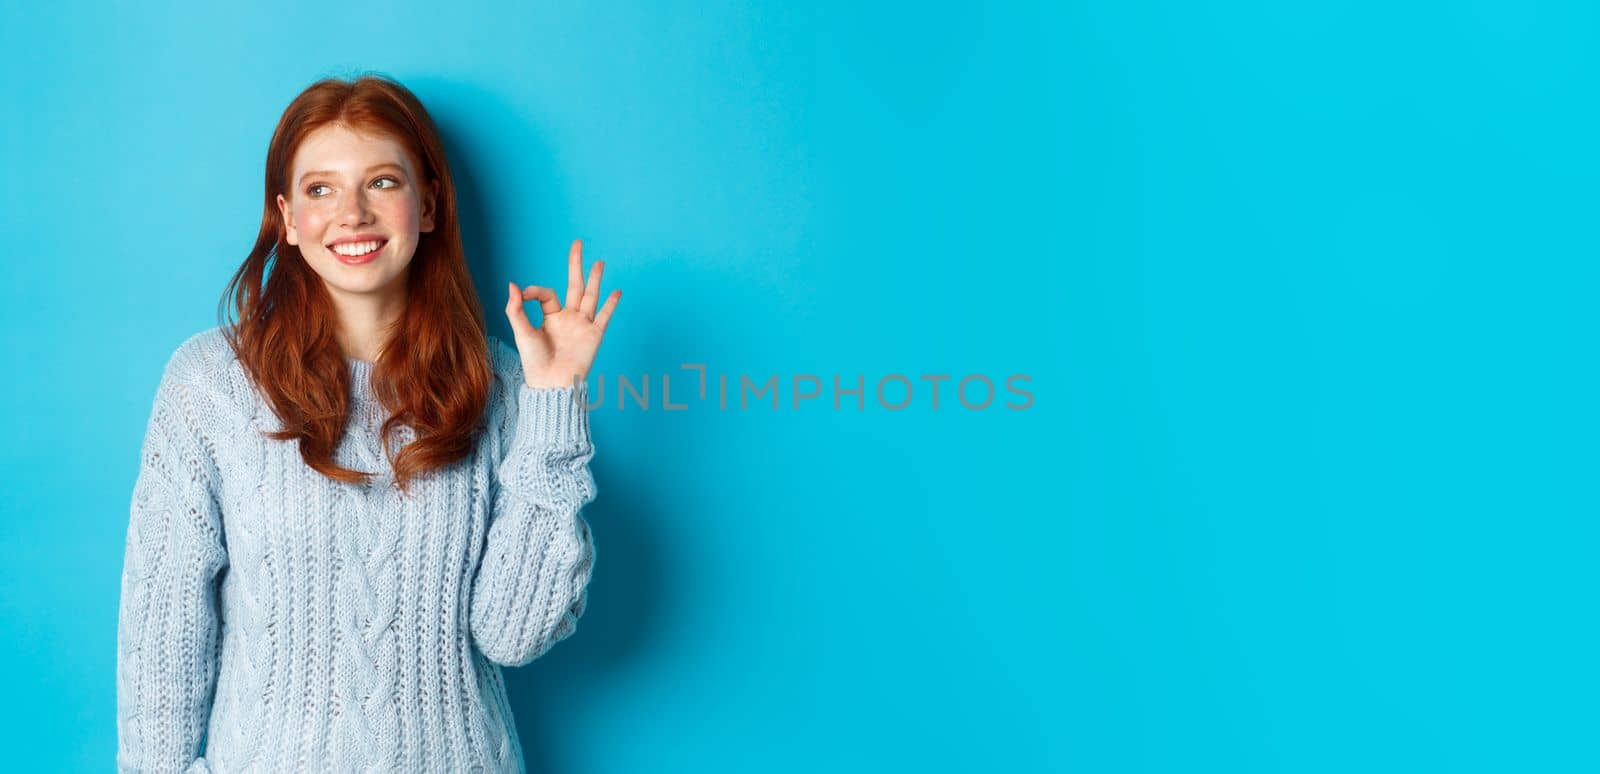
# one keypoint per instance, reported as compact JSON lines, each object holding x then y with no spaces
{"x":354,"y":506}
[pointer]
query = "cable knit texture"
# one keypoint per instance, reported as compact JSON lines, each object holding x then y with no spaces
{"x":275,"y":620}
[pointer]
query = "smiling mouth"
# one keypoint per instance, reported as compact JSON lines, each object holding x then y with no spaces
{"x":358,"y":249}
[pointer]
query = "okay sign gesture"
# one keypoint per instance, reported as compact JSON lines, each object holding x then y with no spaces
{"x":559,"y":352}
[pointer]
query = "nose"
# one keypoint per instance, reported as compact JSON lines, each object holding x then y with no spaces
{"x":354,"y":209}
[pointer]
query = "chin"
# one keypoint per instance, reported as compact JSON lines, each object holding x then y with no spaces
{"x":361,"y":285}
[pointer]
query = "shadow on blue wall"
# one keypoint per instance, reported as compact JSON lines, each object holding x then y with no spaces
{"x":630,"y":581}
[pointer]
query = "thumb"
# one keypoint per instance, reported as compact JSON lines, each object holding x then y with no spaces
{"x":514,"y":312}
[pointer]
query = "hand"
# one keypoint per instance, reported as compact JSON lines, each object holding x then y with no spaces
{"x":559,"y":352}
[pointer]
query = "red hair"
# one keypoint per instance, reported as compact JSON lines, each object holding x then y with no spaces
{"x":434,"y":372}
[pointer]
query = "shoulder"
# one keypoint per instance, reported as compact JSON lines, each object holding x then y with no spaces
{"x":206,"y":379}
{"x":200,"y":360}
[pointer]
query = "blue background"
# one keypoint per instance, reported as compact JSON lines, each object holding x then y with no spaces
{"x":1305,"y":290}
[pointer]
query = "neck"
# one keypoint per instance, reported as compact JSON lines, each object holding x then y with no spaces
{"x":367,"y":320}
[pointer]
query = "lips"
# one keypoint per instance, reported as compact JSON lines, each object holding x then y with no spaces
{"x":367,"y":237}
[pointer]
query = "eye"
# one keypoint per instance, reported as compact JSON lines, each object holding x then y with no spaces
{"x":390,"y":179}
{"x":311,"y":189}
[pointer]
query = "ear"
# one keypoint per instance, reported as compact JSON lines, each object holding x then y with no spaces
{"x":293,"y":235}
{"x":429,"y":201}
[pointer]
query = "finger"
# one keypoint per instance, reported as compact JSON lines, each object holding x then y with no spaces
{"x":519,"y":318}
{"x":545,"y":296}
{"x":514,"y":306}
{"x":605,"y":311}
{"x":575,"y":274}
{"x":591,"y":292}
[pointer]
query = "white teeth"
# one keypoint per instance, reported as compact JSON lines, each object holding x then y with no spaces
{"x":356,"y":248}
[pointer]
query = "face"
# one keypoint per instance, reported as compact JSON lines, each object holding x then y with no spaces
{"x":348,"y":191}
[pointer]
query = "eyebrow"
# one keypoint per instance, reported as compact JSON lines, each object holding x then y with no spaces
{"x":371,"y":169}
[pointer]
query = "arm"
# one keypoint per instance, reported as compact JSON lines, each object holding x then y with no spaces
{"x":168,"y":624}
{"x":531,"y":584}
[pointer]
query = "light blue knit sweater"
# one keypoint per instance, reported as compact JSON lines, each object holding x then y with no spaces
{"x":275,"y":620}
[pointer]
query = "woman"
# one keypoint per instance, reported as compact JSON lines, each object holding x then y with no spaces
{"x":354,"y":506}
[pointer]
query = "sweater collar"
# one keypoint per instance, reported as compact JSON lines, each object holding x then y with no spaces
{"x":360,"y":380}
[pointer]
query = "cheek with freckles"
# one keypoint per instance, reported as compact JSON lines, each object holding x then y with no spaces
{"x":402,"y":218}
{"x":317,"y":222}
{"x":307,"y":225}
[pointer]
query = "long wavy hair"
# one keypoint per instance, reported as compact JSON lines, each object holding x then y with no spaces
{"x":433,"y":373}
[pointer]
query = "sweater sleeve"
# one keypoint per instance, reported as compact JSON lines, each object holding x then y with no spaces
{"x":532,"y":581}
{"x":168,"y":623}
